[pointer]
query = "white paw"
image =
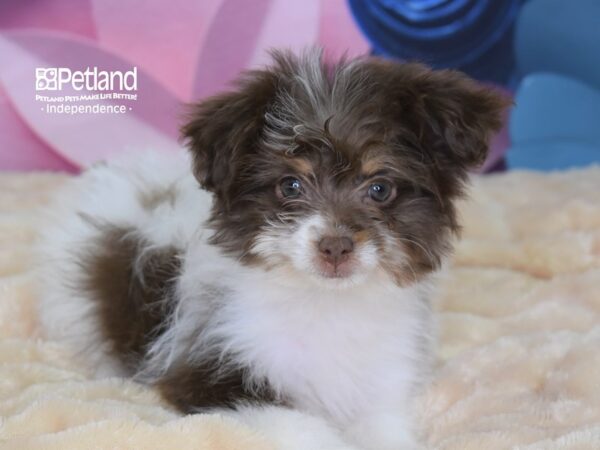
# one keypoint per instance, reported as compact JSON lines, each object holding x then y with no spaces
{"x":383,"y":432}
{"x":292,"y":430}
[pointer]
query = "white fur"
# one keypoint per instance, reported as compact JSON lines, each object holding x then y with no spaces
{"x":351,"y":353}
{"x":292,"y":430}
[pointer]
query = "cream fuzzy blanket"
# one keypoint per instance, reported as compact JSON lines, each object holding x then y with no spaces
{"x":519,"y":355}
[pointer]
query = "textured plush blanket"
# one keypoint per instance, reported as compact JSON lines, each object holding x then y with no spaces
{"x":519,"y":354}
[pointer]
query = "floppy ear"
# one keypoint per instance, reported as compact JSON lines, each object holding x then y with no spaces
{"x":454,"y":116}
{"x":462,"y":115}
{"x":222,"y":130}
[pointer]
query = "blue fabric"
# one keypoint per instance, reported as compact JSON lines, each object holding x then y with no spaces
{"x":472,"y":35}
{"x":555,"y":123}
{"x":560,"y":36}
{"x":549,"y":155}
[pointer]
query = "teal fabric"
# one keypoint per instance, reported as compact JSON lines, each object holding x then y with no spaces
{"x":556,"y":121}
{"x":550,"y":106}
{"x":555,"y":124}
{"x":560,"y":36}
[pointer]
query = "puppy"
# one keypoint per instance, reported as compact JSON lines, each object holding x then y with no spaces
{"x":300,"y":274}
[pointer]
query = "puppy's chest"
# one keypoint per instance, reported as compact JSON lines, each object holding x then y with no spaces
{"x":327,"y":351}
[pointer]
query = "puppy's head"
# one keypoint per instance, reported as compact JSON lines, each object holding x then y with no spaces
{"x":341,"y":171}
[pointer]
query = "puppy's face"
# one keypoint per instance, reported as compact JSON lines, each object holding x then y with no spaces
{"x":338,"y":172}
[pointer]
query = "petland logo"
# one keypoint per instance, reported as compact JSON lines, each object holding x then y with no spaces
{"x":60,"y":90}
{"x":90,"y":79}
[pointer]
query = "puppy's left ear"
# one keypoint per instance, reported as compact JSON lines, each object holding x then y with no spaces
{"x":461,"y":115}
{"x":454,"y":116}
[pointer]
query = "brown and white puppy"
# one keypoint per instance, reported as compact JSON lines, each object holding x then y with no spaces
{"x":300,"y":275}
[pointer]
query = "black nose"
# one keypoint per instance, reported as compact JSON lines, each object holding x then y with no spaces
{"x":336,"y":249}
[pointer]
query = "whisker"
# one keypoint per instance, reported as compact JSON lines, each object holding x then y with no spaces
{"x":421,"y":246}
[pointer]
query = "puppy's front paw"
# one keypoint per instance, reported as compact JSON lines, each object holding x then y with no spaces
{"x":292,"y":430}
{"x":383,"y":432}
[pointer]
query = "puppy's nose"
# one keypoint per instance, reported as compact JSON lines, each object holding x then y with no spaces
{"x":336,"y":249}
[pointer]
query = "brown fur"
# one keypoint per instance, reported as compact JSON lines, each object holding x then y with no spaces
{"x":153,"y":198}
{"x":133,"y":293}
{"x":190,"y":387}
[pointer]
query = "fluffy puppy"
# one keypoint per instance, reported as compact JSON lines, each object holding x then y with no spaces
{"x":300,"y":274}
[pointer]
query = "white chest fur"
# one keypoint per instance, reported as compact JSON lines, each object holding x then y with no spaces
{"x":331,"y":351}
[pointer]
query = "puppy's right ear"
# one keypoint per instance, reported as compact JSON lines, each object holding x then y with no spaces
{"x":223,"y":130}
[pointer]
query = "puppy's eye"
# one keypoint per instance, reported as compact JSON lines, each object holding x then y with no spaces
{"x":290,"y":187}
{"x":380,"y":191}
